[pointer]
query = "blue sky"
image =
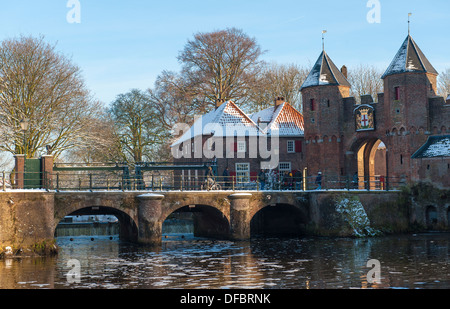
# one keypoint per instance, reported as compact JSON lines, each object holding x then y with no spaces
{"x":120,"y":45}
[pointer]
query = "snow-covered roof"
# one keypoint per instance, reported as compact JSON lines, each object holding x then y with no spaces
{"x":436,"y":146}
{"x":409,"y":58}
{"x":226,"y":120}
{"x":284,"y":120}
{"x":324,"y":73}
{"x":230,"y":120}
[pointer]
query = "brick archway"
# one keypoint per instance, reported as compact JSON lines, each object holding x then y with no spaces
{"x":368,"y":158}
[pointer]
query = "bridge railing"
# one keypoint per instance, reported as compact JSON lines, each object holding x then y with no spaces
{"x":24,"y":180}
{"x":291,"y":183}
{"x":114,"y":181}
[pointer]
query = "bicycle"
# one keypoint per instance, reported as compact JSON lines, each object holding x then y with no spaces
{"x":211,"y":184}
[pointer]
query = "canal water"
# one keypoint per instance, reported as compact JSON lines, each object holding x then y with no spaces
{"x":417,"y":261}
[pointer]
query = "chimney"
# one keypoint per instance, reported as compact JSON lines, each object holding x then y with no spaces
{"x":344,"y":71}
{"x":219,"y":102}
{"x":279,"y":101}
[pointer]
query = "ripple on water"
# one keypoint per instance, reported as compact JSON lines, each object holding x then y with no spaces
{"x":419,"y":261}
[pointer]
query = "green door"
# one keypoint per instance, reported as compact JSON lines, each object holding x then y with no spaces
{"x":32,"y":177}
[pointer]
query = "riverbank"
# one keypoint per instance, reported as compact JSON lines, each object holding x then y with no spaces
{"x":39,"y":249}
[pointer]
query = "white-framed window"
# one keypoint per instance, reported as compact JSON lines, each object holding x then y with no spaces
{"x":290,"y":146}
{"x":242,"y":172}
{"x":284,"y":167}
{"x":241,"y":146}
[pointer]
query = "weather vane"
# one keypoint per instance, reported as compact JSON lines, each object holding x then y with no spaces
{"x":323,"y":39}
{"x":409,"y":23}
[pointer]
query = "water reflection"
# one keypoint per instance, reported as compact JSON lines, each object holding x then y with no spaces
{"x":415,"y":261}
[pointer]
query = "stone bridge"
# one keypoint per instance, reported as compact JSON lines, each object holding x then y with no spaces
{"x":218,"y":214}
{"x":30,"y":217}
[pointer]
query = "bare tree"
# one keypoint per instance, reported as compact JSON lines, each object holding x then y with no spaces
{"x":444,"y":84}
{"x":106,"y":149}
{"x":365,"y":79}
{"x":136,"y":125}
{"x":220,"y":65}
{"x":44,"y":87}
{"x":278,"y":80}
{"x":173,"y":100}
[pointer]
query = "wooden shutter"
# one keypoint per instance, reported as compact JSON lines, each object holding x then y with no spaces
{"x":298,"y":146}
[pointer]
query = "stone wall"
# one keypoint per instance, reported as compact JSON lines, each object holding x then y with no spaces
{"x":387,"y":212}
{"x":26,"y":221}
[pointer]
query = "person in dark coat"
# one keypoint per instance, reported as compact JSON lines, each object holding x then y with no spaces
{"x":226,"y":178}
{"x":262,"y":179}
{"x":355,"y":180}
{"x":319,"y":181}
{"x":298,"y":180}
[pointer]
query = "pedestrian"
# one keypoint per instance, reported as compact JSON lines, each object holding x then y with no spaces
{"x":285,"y":180}
{"x":298,"y":180}
{"x":272,"y":180}
{"x":226,"y":178}
{"x":262,"y":179}
{"x":355,"y":180}
{"x":290,"y":179}
{"x":319,"y":181}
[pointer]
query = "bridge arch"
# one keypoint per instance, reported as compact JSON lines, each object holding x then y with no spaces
{"x":431,"y":217}
{"x":121,"y":205}
{"x":208,"y":221}
{"x":280,"y":219}
{"x":128,"y":229}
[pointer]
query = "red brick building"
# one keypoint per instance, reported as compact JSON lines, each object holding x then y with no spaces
{"x":379,"y":138}
{"x":271,"y":139}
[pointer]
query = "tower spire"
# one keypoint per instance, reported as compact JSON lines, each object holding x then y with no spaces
{"x":409,"y":23}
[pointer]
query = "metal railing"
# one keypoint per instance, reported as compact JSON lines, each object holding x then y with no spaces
{"x":116,"y":181}
{"x":28,"y":180}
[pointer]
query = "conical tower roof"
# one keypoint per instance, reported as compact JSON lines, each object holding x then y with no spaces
{"x":325,"y":73}
{"x":409,"y":58}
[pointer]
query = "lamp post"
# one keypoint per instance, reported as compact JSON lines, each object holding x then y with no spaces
{"x":24,"y":128}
